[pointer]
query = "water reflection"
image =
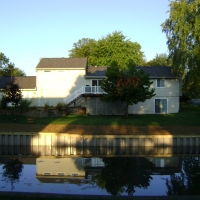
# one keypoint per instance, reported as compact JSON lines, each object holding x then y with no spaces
{"x":12,"y":170}
{"x":121,"y":175}
{"x":108,"y":174}
{"x":187,"y":182}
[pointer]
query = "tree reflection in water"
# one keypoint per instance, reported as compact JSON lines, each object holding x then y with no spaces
{"x":124,"y":175}
{"x":12,"y":171}
{"x":188,"y":181}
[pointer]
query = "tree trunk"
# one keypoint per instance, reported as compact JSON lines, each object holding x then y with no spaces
{"x":126,"y":110}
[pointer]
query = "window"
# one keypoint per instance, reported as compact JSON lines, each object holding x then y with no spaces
{"x":96,"y":82}
{"x":160,"y":83}
{"x":160,"y":105}
{"x":96,"y":86}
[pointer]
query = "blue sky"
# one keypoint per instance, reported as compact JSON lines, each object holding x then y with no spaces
{"x":34,"y":29}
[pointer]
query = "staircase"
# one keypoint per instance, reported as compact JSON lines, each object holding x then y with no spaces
{"x":83,"y":90}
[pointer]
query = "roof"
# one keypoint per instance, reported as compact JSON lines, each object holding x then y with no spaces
{"x":96,"y":71}
{"x":154,"y":72}
{"x":24,"y":82}
{"x":159,"y":72}
{"x":52,"y":63}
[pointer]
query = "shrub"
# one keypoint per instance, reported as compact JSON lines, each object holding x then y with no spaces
{"x":46,"y":106}
{"x":60,"y":106}
{"x":25,"y":104}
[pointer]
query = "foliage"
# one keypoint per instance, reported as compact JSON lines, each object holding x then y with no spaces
{"x":12,"y":171}
{"x":183,"y":40}
{"x":159,"y":60}
{"x":60,"y":106}
{"x":12,"y":94}
{"x":113,"y":47}
{"x":46,"y":106}
{"x":124,"y":174}
{"x":129,"y":85}
{"x":7,"y":68}
{"x":25,"y":104}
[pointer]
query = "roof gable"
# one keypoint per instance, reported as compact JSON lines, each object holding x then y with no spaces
{"x":62,"y":63}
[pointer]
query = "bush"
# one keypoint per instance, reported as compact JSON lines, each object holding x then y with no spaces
{"x":60,"y":106}
{"x":46,"y":106}
{"x":25,"y":104}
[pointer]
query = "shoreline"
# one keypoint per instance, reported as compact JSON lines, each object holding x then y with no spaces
{"x":101,"y":130}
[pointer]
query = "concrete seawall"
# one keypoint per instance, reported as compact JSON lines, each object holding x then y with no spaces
{"x":62,"y":144}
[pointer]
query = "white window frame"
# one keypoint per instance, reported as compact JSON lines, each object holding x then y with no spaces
{"x":155,"y":106}
{"x":161,"y":79}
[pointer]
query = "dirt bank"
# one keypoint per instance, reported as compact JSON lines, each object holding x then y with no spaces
{"x":116,"y":130}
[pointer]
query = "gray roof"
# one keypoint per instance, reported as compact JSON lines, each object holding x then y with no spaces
{"x":154,"y":72}
{"x":24,"y":82}
{"x":159,"y":72}
{"x":50,"y":63}
{"x":96,"y":71}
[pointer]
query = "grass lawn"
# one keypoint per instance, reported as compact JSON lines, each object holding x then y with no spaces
{"x":189,"y":115}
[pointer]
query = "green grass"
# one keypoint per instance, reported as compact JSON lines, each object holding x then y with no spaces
{"x":188,"y":116}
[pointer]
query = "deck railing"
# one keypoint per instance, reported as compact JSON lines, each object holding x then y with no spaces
{"x":84,"y":90}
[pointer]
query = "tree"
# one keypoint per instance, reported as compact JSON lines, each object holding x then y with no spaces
{"x":12,"y":94}
{"x":8,"y":69}
{"x":159,"y":60}
{"x":124,"y":174}
{"x":128,"y":84}
{"x":113,"y":47}
{"x":183,"y":40}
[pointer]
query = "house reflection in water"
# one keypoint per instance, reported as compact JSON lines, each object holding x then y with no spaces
{"x":75,"y":169}
{"x":80,"y":169}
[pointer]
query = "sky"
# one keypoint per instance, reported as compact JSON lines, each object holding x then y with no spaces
{"x":35,"y":29}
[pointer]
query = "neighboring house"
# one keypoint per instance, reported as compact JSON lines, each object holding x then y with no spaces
{"x":26,"y":83}
{"x":72,"y":81}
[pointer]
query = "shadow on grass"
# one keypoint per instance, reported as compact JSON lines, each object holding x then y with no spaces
{"x":187,"y":117}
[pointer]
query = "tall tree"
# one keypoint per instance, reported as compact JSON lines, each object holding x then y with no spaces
{"x":8,"y":69}
{"x":159,"y":60}
{"x":113,"y":47}
{"x":183,"y":40}
{"x":127,"y":84}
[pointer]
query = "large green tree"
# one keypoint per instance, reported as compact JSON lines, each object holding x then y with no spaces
{"x":127,"y":84}
{"x":159,"y":60}
{"x":8,"y":69}
{"x":183,"y":39}
{"x":113,"y":47}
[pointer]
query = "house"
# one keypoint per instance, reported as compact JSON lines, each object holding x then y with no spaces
{"x":72,"y":81}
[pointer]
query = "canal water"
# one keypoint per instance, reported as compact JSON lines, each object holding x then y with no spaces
{"x":100,"y":165}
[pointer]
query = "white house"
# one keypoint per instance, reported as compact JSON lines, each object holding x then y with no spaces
{"x":72,"y":81}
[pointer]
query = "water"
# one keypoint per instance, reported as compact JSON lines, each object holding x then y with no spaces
{"x":137,"y":176}
{"x":153,"y":165}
